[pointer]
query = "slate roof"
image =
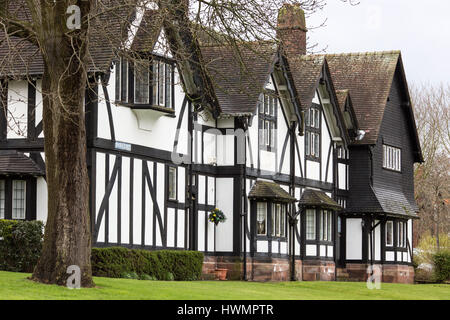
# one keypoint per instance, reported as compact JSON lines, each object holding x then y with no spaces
{"x":368,"y":77}
{"x":316,"y":198}
{"x":13,"y":162}
{"x":269,"y":190}
{"x":19,"y":57}
{"x":148,"y":32}
{"x":239,"y":74}
{"x":394,"y":202}
{"x":306,"y":71}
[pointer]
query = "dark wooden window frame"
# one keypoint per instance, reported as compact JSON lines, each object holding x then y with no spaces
{"x":313,"y":130}
{"x":272,"y":119}
{"x":168,"y":199}
{"x":318,"y":224}
{"x":30,"y":196}
{"x":269,"y":221}
{"x":130,"y":101}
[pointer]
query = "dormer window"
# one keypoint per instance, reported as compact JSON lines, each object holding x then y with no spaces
{"x":145,"y":83}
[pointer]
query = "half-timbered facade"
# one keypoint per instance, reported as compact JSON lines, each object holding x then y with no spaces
{"x":304,"y":175}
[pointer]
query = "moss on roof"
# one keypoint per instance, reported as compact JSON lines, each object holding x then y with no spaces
{"x":316,"y":198}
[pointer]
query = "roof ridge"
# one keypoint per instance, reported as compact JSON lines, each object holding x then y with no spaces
{"x":367,"y":53}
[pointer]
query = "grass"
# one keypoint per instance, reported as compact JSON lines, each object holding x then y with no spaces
{"x":15,"y":286}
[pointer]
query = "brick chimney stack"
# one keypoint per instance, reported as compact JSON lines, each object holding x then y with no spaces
{"x":292,"y":29}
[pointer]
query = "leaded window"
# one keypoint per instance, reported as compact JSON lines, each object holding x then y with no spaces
{"x":18,"y":199}
{"x":172,"y":193}
{"x":312,"y":133}
{"x":268,"y":121}
{"x":389,"y":233}
{"x":261,"y":219}
{"x":310,"y":224}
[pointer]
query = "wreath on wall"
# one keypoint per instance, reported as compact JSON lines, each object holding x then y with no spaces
{"x":216,"y":216}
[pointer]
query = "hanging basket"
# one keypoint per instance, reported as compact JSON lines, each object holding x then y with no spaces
{"x":217,"y":216}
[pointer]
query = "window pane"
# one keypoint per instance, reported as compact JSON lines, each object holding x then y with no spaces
{"x":2,"y":199}
{"x":141,"y":93}
{"x":169,"y":73}
{"x":124,"y":80}
{"x":389,"y":233}
{"x":271,"y":105}
{"x":307,"y":118}
{"x":117,"y":71}
{"x":310,"y":224}
{"x":18,"y":199}
{"x":266,"y":104}
{"x":316,"y":145}
{"x":307,"y":142}
{"x":155,"y":75}
{"x":329,"y":226}
{"x":261,"y":218}
{"x":316,"y":115}
{"x":272,"y":134}
{"x":266,"y":133}
{"x":321,"y":224}
{"x":172,"y":183}
{"x":161,"y":84}
{"x":283,"y":221}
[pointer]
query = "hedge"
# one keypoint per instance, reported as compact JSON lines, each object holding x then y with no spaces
{"x":117,"y":262}
{"x":20,"y":245}
{"x":441,"y":262}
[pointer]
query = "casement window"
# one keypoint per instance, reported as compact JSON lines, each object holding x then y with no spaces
{"x":389,"y":233}
{"x":279,"y":220}
{"x":172,"y":183}
{"x":261,"y":219}
{"x":310,"y":224}
{"x":271,"y":219}
{"x":152,"y":82}
{"x":401,"y":233}
{"x":2,"y":199}
{"x":325,"y":225}
{"x":18,"y":199}
{"x":312,"y":133}
{"x":392,"y":158}
{"x":141,"y":82}
{"x":268,"y":121}
{"x":162,"y":84}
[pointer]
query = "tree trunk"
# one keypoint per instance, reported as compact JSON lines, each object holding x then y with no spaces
{"x":67,"y":238}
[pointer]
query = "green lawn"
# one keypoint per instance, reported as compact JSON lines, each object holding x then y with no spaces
{"x":16,"y":286}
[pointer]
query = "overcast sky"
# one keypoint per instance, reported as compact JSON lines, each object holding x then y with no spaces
{"x":419,"y":28}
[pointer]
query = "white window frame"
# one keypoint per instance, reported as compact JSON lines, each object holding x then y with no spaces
{"x":392,"y":158}
{"x":15,"y":215}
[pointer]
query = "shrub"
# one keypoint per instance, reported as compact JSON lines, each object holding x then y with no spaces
{"x":162,"y":265}
{"x":441,"y":262}
{"x":21,"y":245}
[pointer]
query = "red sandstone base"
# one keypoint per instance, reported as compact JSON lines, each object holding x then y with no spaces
{"x":276,"y":269}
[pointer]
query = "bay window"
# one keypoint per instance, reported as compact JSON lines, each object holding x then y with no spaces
{"x":276,"y":226}
{"x":145,"y":82}
{"x":325,"y":225}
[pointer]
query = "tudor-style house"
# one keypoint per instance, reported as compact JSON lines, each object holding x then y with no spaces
{"x":310,"y":157}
